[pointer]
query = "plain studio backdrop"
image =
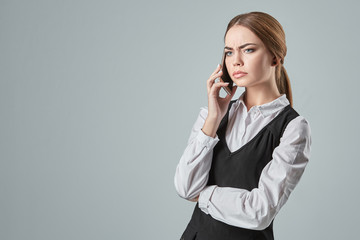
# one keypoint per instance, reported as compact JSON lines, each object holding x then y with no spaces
{"x":98,"y":98}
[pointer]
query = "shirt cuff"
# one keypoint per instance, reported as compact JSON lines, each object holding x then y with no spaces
{"x":204,"y":198}
{"x":207,"y":140}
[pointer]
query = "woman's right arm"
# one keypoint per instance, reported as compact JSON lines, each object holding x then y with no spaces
{"x":193,"y":169}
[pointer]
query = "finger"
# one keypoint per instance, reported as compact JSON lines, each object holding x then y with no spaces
{"x":215,"y":89}
{"x":212,"y":79}
{"x":217,"y":69}
{"x":195,"y":199}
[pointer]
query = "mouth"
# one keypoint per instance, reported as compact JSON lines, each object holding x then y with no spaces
{"x":239,"y":74}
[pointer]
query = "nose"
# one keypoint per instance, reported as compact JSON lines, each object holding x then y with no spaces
{"x":238,"y":59}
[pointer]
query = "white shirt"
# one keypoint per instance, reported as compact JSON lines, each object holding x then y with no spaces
{"x":253,"y":209}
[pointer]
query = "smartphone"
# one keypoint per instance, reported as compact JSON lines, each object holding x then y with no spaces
{"x":226,"y":77}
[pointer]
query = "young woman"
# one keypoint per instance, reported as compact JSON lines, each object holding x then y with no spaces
{"x":244,"y":157}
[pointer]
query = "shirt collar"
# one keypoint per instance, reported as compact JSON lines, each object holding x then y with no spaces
{"x":267,"y":108}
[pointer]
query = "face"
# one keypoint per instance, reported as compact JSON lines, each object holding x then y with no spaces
{"x":248,"y":61}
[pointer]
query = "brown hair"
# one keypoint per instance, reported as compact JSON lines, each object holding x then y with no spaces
{"x":271,"y":33}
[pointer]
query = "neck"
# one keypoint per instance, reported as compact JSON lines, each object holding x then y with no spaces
{"x":260,"y":94}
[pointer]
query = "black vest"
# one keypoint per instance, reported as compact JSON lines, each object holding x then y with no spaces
{"x":239,"y":169}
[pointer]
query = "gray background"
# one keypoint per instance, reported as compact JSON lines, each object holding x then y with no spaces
{"x":97,"y":100}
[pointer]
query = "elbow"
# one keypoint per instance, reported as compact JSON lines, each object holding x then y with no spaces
{"x":184,"y":192}
{"x":189,"y":188}
{"x":186,"y":196}
{"x":262,"y":221}
{"x":181,"y":192}
{"x":262,"y":224}
{"x":260,"y":213}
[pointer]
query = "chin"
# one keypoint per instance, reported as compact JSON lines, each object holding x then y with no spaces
{"x":239,"y":83}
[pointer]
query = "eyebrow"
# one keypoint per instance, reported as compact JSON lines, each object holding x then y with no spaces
{"x":241,"y":47}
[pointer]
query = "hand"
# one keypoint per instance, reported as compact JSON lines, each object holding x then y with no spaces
{"x":195,"y":199}
{"x":217,"y":106}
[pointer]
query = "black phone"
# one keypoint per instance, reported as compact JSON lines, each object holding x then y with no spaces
{"x":226,"y":77}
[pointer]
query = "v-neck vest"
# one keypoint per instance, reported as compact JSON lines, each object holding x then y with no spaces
{"x":239,"y":169}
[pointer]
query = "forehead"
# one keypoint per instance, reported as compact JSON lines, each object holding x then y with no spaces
{"x":238,"y":35}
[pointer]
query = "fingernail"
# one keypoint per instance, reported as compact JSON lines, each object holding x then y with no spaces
{"x":220,"y":71}
{"x":227,"y":83}
{"x":218,"y":66}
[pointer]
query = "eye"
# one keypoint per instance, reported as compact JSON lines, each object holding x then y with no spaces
{"x":228,"y":53}
{"x":249,"y":50}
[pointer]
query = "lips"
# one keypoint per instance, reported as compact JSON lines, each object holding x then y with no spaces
{"x":239,"y":74}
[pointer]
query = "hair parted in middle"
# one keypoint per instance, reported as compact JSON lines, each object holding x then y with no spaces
{"x":272,"y":34}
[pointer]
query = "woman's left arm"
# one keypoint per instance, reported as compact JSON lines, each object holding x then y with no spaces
{"x":256,"y":209}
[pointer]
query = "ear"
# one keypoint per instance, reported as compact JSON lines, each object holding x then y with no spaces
{"x":275,"y":62}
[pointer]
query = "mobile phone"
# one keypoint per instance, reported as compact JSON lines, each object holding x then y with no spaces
{"x":226,"y":77}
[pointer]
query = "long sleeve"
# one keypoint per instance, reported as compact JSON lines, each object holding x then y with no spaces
{"x":193,"y":168}
{"x":256,"y":209}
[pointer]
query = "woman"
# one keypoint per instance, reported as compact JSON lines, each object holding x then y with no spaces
{"x":244,"y":157}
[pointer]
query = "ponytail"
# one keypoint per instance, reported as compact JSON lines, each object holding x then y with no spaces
{"x":283,"y":82}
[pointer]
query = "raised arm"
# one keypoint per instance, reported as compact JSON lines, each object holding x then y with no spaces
{"x":193,"y":168}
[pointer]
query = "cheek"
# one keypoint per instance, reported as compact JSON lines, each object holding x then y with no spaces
{"x":226,"y":61}
{"x":228,"y":65}
{"x":261,"y":64}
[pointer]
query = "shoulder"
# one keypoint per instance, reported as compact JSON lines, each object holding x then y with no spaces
{"x":301,"y":124}
{"x":297,"y":131}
